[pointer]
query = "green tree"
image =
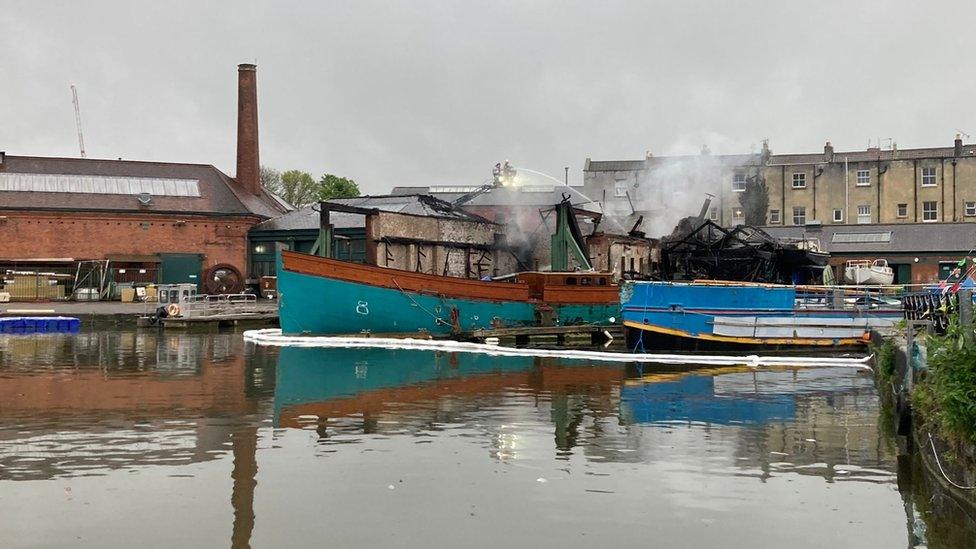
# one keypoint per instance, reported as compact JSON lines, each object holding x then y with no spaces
{"x":270,"y":178}
{"x":333,"y":186}
{"x":296,"y":187}
{"x":754,"y":201}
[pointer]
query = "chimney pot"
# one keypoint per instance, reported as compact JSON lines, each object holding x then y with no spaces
{"x":248,"y":160}
{"x":956,"y":149}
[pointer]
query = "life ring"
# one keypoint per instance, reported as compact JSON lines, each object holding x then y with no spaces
{"x":173,"y":309}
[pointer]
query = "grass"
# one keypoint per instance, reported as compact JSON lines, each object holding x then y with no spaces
{"x":946,"y":395}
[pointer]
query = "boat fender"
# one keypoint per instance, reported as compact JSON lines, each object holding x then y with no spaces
{"x":173,"y":309}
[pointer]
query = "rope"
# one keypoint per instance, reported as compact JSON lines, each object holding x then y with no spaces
{"x":437,"y":320}
{"x":941,"y":470}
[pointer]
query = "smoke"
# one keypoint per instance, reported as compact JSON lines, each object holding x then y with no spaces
{"x":675,"y":187}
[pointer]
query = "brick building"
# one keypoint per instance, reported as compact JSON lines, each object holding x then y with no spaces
{"x":177,"y":219}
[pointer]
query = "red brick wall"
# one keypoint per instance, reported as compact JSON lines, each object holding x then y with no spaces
{"x":85,"y":236}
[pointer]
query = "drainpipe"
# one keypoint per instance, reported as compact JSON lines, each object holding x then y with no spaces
{"x":782,"y":194}
{"x":880,"y":173}
{"x":915,"y":187}
{"x":943,"y":208}
{"x":817,"y":172}
{"x":847,"y":193}
{"x":954,"y":217}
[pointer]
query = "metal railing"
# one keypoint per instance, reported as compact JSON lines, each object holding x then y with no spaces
{"x":210,"y":305}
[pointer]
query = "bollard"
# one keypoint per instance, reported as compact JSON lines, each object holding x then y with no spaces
{"x":966,"y":314}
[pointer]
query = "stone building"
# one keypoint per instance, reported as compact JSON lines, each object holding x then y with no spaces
{"x":929,"y":185}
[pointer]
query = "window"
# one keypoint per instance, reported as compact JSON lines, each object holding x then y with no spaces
{"x":970,"y":209}
{"x":713,"y":214}
{"x":930,"y":211}
{"x":799,"y":215}
{"x":903,"y":210}
{"x":928,"y":177}
{"x":863,"y":178}
{"x":738,"y":182}
{"x":774,"y":217}
{"x":799,"y":180}
{"x":737,"y":215}
{"x":838,"y":216}
{"x":863,"y":214}
{"x":620,"y":189}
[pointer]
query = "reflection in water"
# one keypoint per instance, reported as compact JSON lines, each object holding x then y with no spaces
{"x":312,"y":444}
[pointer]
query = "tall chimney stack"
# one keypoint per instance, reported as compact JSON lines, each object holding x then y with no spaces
{"x":957,"y":146}
{"x":248,"y":162}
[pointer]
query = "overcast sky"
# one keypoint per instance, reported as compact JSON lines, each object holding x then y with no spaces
{"x":419,"y":93}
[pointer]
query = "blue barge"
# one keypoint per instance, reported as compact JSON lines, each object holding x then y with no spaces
{"x":723,"y":314}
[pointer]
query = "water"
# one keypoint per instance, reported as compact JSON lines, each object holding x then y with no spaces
{"x":121,"y":439}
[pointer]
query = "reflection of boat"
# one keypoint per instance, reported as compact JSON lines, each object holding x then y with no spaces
{"x":319,"y":295}
{"x":669,"y":314}
{"x":694,"y":398}
{"x":338,"y":382}
{"x":865,"y":271}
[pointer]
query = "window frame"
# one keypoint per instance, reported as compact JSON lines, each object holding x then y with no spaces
{"x":969,"y":209}
{"x":802,"y":214}
{"x":863,"y":210}
{"x":867,"y":177}
{"x":735,"y":182}
{"x":898,"y":213}
{"x":935,"y":176}
{"x":618,"y":185}
{"x":800,"y":177}
{"x":836,"y":218}
{"x":935,"y":212}
{"x":774,"y":217}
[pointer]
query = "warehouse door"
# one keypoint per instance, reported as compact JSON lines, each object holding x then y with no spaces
{"x":180,"y":268}
{"x":903,"y":272}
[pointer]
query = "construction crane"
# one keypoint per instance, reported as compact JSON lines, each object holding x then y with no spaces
{"x":81,"y":138}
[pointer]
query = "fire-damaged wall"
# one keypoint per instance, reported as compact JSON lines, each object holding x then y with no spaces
{"x":435,"y":245}
{"x":625,"y":256}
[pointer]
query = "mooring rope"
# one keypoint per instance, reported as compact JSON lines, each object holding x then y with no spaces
{"x":941,"y":470}
{"x":437,"y":320}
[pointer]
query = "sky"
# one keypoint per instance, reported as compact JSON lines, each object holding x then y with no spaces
{"x":435,"y":93}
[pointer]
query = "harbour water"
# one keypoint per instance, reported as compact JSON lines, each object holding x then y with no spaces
{"x":120,"y":439}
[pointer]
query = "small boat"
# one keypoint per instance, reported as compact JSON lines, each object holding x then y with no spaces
{"x":730,"y":314}
{"x":866,"y":272}
{"x":324,"y":296}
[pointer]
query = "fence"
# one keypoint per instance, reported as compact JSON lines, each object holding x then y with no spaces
{"x":78,"y":280}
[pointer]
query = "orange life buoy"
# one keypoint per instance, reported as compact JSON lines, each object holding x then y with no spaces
{"x":173,"y":309}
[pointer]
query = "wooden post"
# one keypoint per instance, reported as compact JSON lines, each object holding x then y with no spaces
{"x":966,"y":314}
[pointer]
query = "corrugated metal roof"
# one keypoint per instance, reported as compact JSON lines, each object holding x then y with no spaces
{"x":98,"y":184}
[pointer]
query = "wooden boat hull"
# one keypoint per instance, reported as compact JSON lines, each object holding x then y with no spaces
{"x":701,"y":315}
{"x":326,"y":296}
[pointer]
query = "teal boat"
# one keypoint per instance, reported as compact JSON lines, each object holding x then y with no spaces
{"x":324,"y":296}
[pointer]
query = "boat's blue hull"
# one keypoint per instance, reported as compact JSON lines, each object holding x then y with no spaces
{"x":731,"y":315}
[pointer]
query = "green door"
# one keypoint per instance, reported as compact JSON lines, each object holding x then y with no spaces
{"x":180,"y":268}
{"x":903,"y":273}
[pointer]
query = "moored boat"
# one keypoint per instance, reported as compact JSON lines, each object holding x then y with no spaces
{"x":867,"y":272}
{"x":319,"y":295}
{"x":703,"y":314}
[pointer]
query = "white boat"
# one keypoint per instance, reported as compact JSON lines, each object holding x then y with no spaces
{"x":865,"y":271}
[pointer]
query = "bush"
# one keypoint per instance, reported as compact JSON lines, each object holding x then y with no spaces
{"x":884,"y":354}
{"x":947,"y":394}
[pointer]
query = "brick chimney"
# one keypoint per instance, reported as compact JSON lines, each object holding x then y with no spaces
{"x":248,"y":162}
{"x":957,"y":146}
{"x":828,"y":152}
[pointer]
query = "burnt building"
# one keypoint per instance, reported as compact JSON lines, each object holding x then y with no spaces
{"x":153,"y":221}
{"x":409,"y":232}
